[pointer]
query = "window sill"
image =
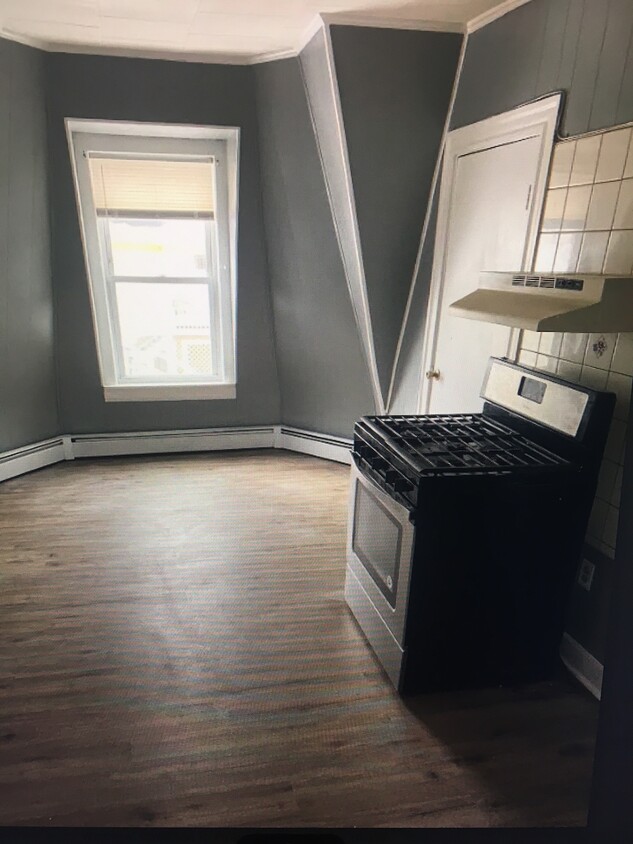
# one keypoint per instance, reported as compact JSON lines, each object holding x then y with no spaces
{"x":168,"y":392}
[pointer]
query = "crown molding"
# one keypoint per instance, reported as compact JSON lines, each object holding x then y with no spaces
{"x":494,"y":14}
{"x":364,"y":20}
{"x":320,"y":21}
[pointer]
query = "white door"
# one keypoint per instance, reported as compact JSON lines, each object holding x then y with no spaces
{"x":490,"y":202}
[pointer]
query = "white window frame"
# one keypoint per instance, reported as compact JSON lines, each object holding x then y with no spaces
{"x":177,"y":141}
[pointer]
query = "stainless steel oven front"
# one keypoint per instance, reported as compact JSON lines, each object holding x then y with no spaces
{"x":380,"y":543}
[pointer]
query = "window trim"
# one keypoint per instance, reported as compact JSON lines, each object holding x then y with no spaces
{"x":164,"y":139}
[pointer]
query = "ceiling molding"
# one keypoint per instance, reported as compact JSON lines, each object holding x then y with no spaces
{"x":317,"y":23}
{"x":494,"y":14}
{"x":353,"y":19}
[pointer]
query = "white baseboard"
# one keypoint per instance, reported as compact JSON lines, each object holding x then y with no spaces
{"x":583,"y":665}
{"x":319,"y":445}
{"x":37,"y":455}
{"x":164,"y":442}
{"x":18,"y":461}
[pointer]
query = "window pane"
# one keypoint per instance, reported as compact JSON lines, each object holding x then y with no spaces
{"x":155,"y":248}
{"x":165,"y":330}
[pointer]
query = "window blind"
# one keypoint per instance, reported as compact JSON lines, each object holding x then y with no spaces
{"x":144,"y":187}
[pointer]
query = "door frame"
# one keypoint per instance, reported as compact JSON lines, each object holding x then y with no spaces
{"x":536,"y":119}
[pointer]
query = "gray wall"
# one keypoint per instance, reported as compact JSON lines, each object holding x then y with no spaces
{"x":323,"y":374}
{"x":582,"y":47}
{"x":28,"y":410}
{"x":321,"y":96}
{"x":395,"y":87}
{"x":109,"y":88}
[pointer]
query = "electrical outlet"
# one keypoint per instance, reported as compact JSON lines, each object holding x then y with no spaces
{"x":585,"y":574}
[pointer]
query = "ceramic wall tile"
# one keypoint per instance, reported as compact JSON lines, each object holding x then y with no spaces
{"x":561,"y":164}
{"x":628,"y":167}
{"x":602,"y":206}
{"x":573,"y":347}
{"x":553,"y":209}
{"x":619,"y":257}
{"x":614,"y":449}
{"x":530,"y":340}
{"x":567,"y":252}
{"x":621,"y":386}
{"x":616,"y":493}
{"x":613,"y":154}
{"x":600,"y":348}
{"x":576,"y":206}
{"x":546,"y":363}
{"x":610,"y":530}
{"x":546,"y":252}
{"x":527,"y":358}
{"x":606,"y":479}
{"x":623,"y":356}
{"x":569,"y":371}
{"x":624,"y":209}
{"x":588,"y":227}
{"x":550,"y":343}
{"x":592,"y":252}
{"x":597,"y":519}
{"x":583,"y":168}
{"x":594,"y":378}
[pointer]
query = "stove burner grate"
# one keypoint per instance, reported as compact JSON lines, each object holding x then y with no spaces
{"x":463,"y":443}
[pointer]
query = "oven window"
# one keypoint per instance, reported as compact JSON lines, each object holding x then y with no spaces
{"x":376,"y":541}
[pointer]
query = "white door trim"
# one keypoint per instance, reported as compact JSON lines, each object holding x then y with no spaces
{"x":537,"y":119}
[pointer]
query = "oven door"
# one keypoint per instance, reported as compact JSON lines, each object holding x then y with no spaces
{"x":380,"y":543}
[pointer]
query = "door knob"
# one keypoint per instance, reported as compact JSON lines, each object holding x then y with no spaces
{"x":433,"y":374}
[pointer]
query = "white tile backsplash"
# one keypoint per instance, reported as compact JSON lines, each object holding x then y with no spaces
{"x":567,"y":252}
{"x":623,"y":355}
{"x":588,"y":227}
{"x":573,"y":347}
{"x":583,"y":168}
{"x":619,"y":258}
{"x":628,"y":167}
{"x":624,"y":209}
{"x":568,"y":370}
{"x":561,"y":164}
{"x":613,"y":153}
{"x":546,"y":363}
{"x":621,"y":386}
{"x":576,"y":206}
{"x":606,"y":479}
{"x":553,"y":209}
{"x":604,"y":199}
{"x":550,"y":343}
{"x":546,"y":252}
{"x":600,"y":348}
{"x":592,"y":251}
{"x":594,"y":378}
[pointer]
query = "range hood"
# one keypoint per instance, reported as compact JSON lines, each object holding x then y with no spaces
{"x":553,"y":302}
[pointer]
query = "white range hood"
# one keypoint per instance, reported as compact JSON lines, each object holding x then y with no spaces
{"x":553,"y":302}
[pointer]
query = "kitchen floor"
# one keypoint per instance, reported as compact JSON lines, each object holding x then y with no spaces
{"x":175,"y":650}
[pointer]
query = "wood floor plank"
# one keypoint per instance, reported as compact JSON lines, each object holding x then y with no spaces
{"x":175,"y":650}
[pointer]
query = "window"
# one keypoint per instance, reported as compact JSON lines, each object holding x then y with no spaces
{"x":157,"y":210}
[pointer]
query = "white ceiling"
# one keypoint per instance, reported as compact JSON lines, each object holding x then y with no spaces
{"x":205,"y":30}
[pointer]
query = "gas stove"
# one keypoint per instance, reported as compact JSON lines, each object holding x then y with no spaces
{"x":466,"y":529}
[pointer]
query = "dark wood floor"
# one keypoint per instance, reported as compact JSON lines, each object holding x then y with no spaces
{"x":175,"y":650}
